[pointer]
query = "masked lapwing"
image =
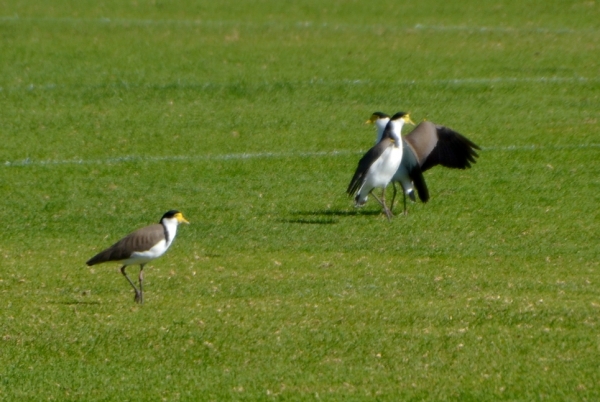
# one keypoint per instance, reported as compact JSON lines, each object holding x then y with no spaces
{"x":141,"y":247}
{"x":428,"y":145}
{"x":378,"y":166}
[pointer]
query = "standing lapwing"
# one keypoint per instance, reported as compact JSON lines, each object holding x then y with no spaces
{"x":378,"y":166}
{"x":141,"y":247}
{"x":426,"y":146}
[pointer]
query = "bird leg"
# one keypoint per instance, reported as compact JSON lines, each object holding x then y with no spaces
{"x":405,"y":211}
{"x":388,"y":213}
{"x":137,"y":292}
{"x":377,"y":198}
{"x":394,"y":196}
{"x":141,"y":298}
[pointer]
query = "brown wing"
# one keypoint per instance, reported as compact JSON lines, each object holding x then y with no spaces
{"x":365,"y":163}
{"x":439,"y":145}
{"x":141,"y":240}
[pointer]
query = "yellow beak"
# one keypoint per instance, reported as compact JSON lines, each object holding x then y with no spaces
{"x":181,"y":219}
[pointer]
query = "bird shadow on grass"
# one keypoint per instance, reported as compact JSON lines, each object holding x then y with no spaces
{"x":312,"y":221}
{"x":75,"y":302}
{"x":325,"y":217}
{"x":339,"y":212}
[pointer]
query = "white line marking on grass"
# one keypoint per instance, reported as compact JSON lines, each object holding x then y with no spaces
{"x":260,"y":155}
{"x":335,"y":26}
{"x":536,"y":80}
{"x":317,"y":82}
{"x":468,"y":81}
{"x":512,"y":30}
{"x":176,"y":158}
{"x":540,"y":147}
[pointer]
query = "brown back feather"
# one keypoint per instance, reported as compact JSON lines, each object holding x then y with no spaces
{"x":141,"y":240}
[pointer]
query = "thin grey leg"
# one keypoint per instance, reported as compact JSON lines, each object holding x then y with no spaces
{"x":387,"y":211}
{"x":137,"y":292}
{"x":141,"y":298}
{"x":394,"y":196}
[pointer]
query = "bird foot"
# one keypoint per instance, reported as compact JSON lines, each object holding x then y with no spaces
{"x":139,"y":298}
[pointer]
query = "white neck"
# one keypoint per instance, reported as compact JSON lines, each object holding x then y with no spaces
{"x":171,"y":226}
{"x":397,"y":131}
{"x":380,"y":124}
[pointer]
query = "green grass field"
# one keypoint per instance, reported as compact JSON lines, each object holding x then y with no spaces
{"x":249,"y":118}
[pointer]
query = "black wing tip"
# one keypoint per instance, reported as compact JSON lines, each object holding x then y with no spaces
{"x":416,"y":175}
{"x":464,"y":151}
{"x":350,"y":189}
{"x":470,"y":144}
{"x":98,"y":258}
{"x":423,"y":194}
{"x":353,"y":187}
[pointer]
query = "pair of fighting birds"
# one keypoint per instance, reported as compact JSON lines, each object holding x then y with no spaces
{"x":397,"y":159}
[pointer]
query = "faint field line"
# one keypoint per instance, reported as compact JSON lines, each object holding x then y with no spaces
{"x":177,"y":158}
{"x":309,"y":83}
{"x":297,"y":24}
{"x":539,"y":30}
{"x":263,"y":155}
